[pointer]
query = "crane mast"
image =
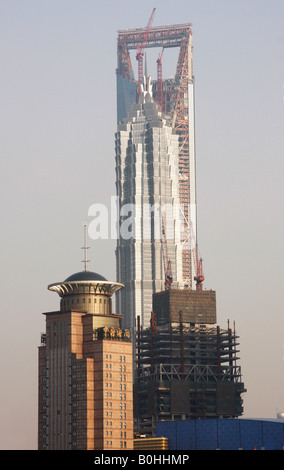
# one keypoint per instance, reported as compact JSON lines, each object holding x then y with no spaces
{"x":199,"y":278}
{"x":140,"y":54}
{"x":160,"y":80}
{"x":167,"y":262}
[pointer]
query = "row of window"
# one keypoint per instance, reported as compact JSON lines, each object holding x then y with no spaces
{"x":122,"y":444}
{"x":67,"y":303}
{"x":121,"y":369}
{"x":122,"y":416}
{"x":121,"y":387}
{"x":122,"y":434}
{"x":121,"y":358}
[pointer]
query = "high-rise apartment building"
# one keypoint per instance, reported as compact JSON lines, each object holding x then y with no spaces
{"x":85,"y":370}
{"x":155,"y":165}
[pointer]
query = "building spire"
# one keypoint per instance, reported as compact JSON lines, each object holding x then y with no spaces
{"x":85,"y":248}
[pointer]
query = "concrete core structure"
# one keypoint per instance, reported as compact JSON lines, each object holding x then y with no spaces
{"x":197,"y":306}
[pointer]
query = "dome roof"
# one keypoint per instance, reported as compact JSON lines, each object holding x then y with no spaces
{"x":85,"y":276}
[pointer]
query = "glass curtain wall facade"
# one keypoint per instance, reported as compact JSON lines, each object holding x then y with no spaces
{"x":147,"y":186}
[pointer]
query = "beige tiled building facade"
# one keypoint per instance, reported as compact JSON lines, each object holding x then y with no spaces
{"x":85,"y":370}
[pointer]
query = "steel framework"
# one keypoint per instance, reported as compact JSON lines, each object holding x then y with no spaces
{"x":186,"y":371}
{"x":196,"y":373}
{"x":187,"y":351}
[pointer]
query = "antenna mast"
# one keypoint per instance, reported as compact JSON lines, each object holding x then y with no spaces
{"x":85,"y":248}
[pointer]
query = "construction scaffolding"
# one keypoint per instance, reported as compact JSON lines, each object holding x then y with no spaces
{"x":194,"y":353}
{"x":186,"y":371}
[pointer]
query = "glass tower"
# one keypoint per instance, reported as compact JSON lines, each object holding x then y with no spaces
{"x":147,"y":185}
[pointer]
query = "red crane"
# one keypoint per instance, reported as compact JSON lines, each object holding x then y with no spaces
{"x":168,"y":276}
{"x":140,"y":53}
{"x":160,"y":80}
{"x":199,"y":278}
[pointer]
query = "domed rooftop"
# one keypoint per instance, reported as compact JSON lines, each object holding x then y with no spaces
{"x":85,"y":276}
{"x":85,"y":279}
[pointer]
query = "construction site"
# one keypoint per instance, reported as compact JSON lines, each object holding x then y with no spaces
{"x":187,"y":367}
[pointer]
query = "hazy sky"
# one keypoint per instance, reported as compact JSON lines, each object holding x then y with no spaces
{"x":58,"y":119}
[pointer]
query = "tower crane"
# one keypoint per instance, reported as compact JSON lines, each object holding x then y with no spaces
{"x":140,"y":53}
{"x":199,"y":278}
{"x":198,"y":262}
{"x":167,"y":262}
{"x":160,"y":80}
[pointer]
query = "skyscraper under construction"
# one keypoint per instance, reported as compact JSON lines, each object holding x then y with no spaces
{"x":186,"y":365}
{"x":155,"y":167}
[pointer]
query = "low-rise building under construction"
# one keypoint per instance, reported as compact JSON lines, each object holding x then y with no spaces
{"x":186,"y":364}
